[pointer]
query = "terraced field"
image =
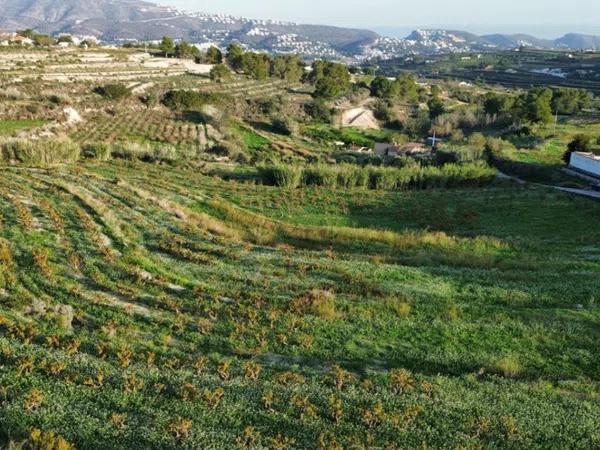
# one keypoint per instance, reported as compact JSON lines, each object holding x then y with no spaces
{"x":130,"y":125}
{"x":150,"y":308}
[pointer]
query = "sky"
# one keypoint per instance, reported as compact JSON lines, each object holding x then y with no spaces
{"x":547,"y":18}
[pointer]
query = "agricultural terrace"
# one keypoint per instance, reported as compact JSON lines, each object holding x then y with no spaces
{"x":193,"y":261}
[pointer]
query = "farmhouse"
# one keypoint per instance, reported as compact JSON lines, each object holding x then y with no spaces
{"x":409,"y":149}
{"x":20,"y":40}
{"x":588,"y":163}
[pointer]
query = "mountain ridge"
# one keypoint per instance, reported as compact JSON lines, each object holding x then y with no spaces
{"x":140,"y":20}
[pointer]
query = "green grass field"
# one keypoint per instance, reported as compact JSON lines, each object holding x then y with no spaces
{"x":10,"y":127}
{"x":145,"y":307}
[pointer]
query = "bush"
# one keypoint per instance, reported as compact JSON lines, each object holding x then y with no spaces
{"x":581,"y":143}
{"x":319,"y":111}
{"x":39,"y":152}
{"x":281,"y":175}
{"x":220,"y":73}
{"x":113,"y":91}
{"x":348,"y":176}
{"x":322,"y":304}
{"x":457,"y":137}
{"x":508,"y":366}
{"x":134,"y":151}
{"x":12,"y":93}
{"x":284,"y":125}
{"x":99,"y":151}
{"x":477,"y":140}
{"x":190,"y":100}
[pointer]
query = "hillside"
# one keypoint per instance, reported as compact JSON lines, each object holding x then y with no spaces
{"x":190,"y":262}
{"x":159,"y":309}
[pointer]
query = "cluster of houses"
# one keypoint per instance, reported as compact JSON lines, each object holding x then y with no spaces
{"x":7,"y":39}
{"x":14,"y":39}
{"x":389,"y":150}
{"x":414,"y":149}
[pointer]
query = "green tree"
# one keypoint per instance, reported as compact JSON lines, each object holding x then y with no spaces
{"x":26,"y":33}
{"x":220,"y":73}
{"x":496,"y":104}
{"x":288,"y":68}
{"x":184,"y":50}
{"x":383,"y":87}
{"x":65,"y":38}
{"x":235,"y":54}
{"x":167,"y":46}
{"x":408,"y":89}
{"x":534,"y":106}
{"x":570,"y":101}
{"x":213,"y":56}
{"x":256,"y":65}
{"x":436,"y":107}
{"x":580,"y":143}
{"x":43,"y":40}
{"x":330,"y":79}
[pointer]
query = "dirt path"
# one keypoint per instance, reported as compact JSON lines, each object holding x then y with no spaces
{"x":582,"y":192}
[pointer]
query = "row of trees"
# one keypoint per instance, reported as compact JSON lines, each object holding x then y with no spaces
{"x":330,"y":79}
{"x":404,"y":87}
{"x":44,"y":40}
{"x":538,"y":105}
{"x":261,"y":66}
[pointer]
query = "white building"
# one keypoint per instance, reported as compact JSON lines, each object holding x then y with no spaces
{"x":587,"y":163}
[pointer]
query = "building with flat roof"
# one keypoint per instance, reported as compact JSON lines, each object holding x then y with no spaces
{"x":587,"y":163}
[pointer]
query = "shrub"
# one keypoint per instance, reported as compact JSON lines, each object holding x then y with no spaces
{"x":115,"y":91}
{"x":59,"y":99}
{"x":580,"y":143}
{"x":401,"y":308}
{"x":42,"y":440}
{"x":322,"y":304}
{"x":319,"y":111}
{"x":284,"y":125}
{"x":39,"y":152}
{"x":320,"y":175}
{"x":190,"y":100}
{"x":281,"y":175}
{"x":12,"y":93}
{"x":220,"y":73}
{"x":477,"y":140}
{"x":508,"y":366}
{"x":144,"y":152}
{"x":99,"y":151}
{"x":457,"y":137}
{"x":379,"y":178}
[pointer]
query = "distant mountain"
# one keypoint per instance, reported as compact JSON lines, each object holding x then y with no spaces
{"x":137,"y":20}
{"x":577,"y":41}
{"x":517,"y":40}
{"x":119,"y":20}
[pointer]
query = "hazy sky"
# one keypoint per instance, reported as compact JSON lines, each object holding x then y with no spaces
{"x":548,"y":16}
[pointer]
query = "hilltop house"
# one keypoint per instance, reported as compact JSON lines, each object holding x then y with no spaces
{"x":587,"y":163}
{"x":20,"y":40}
{"x":409,"y":149}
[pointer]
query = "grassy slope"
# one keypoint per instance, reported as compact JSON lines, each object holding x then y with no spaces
{"x":128,"y":247}
{"x":10,"y":127}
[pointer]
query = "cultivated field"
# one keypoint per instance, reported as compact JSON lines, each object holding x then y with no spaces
{"x":221,"y":277}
